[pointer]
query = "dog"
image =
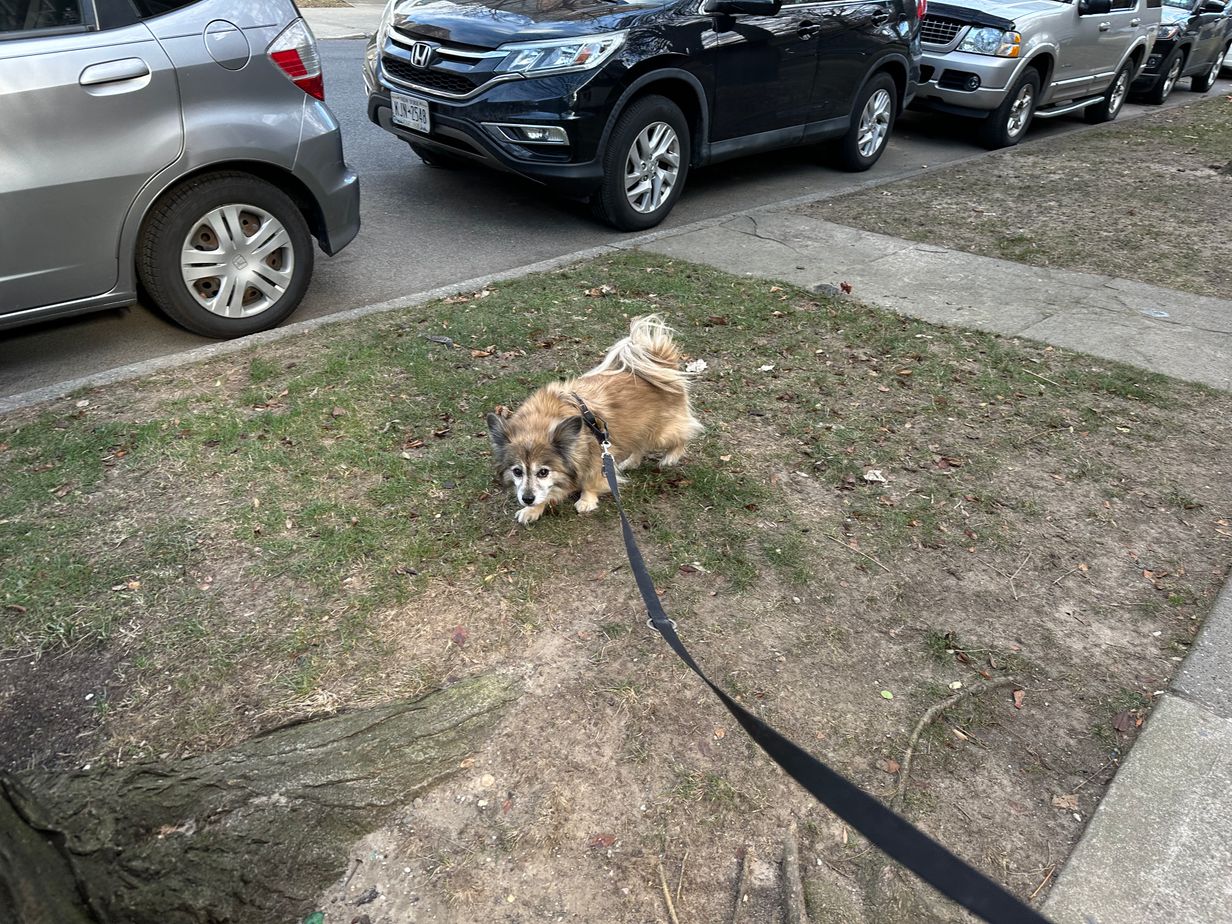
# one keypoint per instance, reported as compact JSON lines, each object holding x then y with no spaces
{"x":545,"y":452}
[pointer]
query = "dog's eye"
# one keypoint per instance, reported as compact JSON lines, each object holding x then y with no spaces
{"x":517,"y":472}
{"x":542,"y":473}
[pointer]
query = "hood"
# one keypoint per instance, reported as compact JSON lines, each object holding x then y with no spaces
{"x":997,"y":13}
{"x":495,"y":22}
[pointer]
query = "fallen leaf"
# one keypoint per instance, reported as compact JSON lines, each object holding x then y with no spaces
{"x":480,"y":354}
{"x":602,"y":841}
{"x":1123,"y":721}
{"x":846,"y":287}
{"x":15,"y":608}
{"x":64,"y":489}
{"x":467,"y":763}
{"x":716,"y":320}
{"x":338,"y":412}
{"x":1068,"y":803}
{"x":1019,"y":695}
{"x":459,"y":636}
{"x":720,"y":732}
{"x":960,"y":734}
{"x":889,"y":766}
{"x":766,"y":368}
{"x":886,"y":694}
{"x":874,"y":475}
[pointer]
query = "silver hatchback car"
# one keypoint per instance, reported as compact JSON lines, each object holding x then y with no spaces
{"x":179,"y":147}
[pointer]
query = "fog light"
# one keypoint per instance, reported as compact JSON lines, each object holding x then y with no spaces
{"x":530,"y":134}
{"x":973,"y":83}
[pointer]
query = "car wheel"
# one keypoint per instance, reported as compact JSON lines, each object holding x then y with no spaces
{"x":1008,"y":123}
{"x":226,"y":255}
{"x":872,"y":120}
{"x":435,"y":158}
{"x":1163,"y":86}
{"x":1204,"y":82}
{"x":1109,"y":107}
{"x":644,"y":165}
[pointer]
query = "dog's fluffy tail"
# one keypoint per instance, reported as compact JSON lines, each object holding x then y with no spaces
{"x":650,"y":353}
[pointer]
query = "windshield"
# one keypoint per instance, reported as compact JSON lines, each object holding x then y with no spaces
{"x":1179,"y":4}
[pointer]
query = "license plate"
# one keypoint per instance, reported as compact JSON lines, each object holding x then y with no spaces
{"x":411,"y":112}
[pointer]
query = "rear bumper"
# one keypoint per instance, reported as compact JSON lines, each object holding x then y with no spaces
{"x":319,"y":164}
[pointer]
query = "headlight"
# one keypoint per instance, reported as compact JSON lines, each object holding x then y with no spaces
{"x":990,"y":41}
{"x":562,"y":55}
{"x":1169,"y":31}
{"x":382,"y":31}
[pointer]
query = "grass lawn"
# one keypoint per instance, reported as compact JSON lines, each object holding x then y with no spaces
{"x":1147,"y":199}
{"x":878,"y":505}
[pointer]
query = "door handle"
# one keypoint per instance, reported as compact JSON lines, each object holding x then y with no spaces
{"x":1135,"y":22}
{"x":808,"y":29}
{"x":881,"y":18}
{"x":1105,"y":26}
{"x":113,"y":72}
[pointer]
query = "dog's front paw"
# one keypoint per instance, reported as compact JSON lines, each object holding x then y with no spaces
{"x":586,"y":504}
{"x":528,"y":515}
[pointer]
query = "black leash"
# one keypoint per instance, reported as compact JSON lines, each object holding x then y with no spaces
{"x":893,"y":835}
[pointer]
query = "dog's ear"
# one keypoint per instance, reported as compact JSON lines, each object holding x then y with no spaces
{"x":565,"y":434}
{"x":498,"y":432}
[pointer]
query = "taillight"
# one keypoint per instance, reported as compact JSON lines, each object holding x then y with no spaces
{"x":295,"y":52}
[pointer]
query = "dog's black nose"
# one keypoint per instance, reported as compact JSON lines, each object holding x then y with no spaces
{"x":528,"y":499}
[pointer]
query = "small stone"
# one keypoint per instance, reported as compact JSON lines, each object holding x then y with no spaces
{"x":487,"y":781}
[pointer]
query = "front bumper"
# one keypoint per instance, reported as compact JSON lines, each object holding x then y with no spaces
{"x":946,"y":78}
{"x":334,"y":186}
{"x":1160,"y":52}
{"x":575,"y":103}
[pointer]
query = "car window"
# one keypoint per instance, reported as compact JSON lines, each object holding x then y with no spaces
{"x":38,"y":15}
{"x":150,"y":8}
{"x":1124,"y":4}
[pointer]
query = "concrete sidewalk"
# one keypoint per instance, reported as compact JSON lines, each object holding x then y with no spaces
{"x":1176,"y":333}
{"x":358,"y":20}
{"x":1158,"y":850}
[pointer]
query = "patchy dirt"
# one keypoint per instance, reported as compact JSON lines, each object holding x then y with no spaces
{"x":1146,"y":199}
{"x":1033,"y":515}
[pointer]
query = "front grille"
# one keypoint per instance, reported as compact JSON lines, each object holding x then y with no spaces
{"x":430,"y":79}
{"x":937,"y":30}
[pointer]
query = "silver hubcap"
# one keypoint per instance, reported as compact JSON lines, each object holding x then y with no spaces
{"x":1118,"y":92}
{"x":652,"y":167}
{"x":1020,"y":112}
{"x":874,"y":123}
{"x":237,"y":261}
{"x":1173,"y":73}
{"x":1214,"y":74}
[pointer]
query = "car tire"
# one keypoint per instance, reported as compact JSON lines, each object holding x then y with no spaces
{"x":1169,"y":74}
{"x":645,"y":140}
{"x":435,"y":158}
{"x":872,"y":121}
{"x":237,"y":223}
{"x":1008,"y":123}
{"x":1203,"y":82}
{"x":1113,"y":100}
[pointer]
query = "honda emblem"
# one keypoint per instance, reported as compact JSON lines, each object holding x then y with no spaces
{"x":421,"y":54}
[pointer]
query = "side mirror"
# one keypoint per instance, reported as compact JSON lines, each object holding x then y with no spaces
{"x":1094,"y":7}
{"x":750,"y":7}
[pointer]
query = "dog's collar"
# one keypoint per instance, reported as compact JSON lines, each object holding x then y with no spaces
{"x":596,"y":425}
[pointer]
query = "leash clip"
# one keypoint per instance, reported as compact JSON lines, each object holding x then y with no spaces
{"x":607,"y":448}
{"x":651,"y":625}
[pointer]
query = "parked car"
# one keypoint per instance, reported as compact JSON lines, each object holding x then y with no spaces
{"x":182,"y":144}
{"x":617,"y":101}
{"x":1007,"y":62}
{"x":1194,"y":38}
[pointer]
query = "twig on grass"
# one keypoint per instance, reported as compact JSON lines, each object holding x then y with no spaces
{"x":1042,"y":378}
{"x":667,"y":896}
{"x":850,"y":548}
{"x":904,"y":773}
{"x":793,"y":887}
{"x":1052,"y":869}
{"x":742,"y":883}
{"x":1013,"y":589}
{"x":680,"y":881}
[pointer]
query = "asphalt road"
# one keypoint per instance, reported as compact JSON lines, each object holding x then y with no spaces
{"x":426,"y":227}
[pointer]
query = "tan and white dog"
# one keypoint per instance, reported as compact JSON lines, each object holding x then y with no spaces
{"x":544,"y":451}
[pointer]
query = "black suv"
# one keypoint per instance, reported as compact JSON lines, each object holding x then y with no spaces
{"x":1193,"y":38}
{"x":615,"y":100}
